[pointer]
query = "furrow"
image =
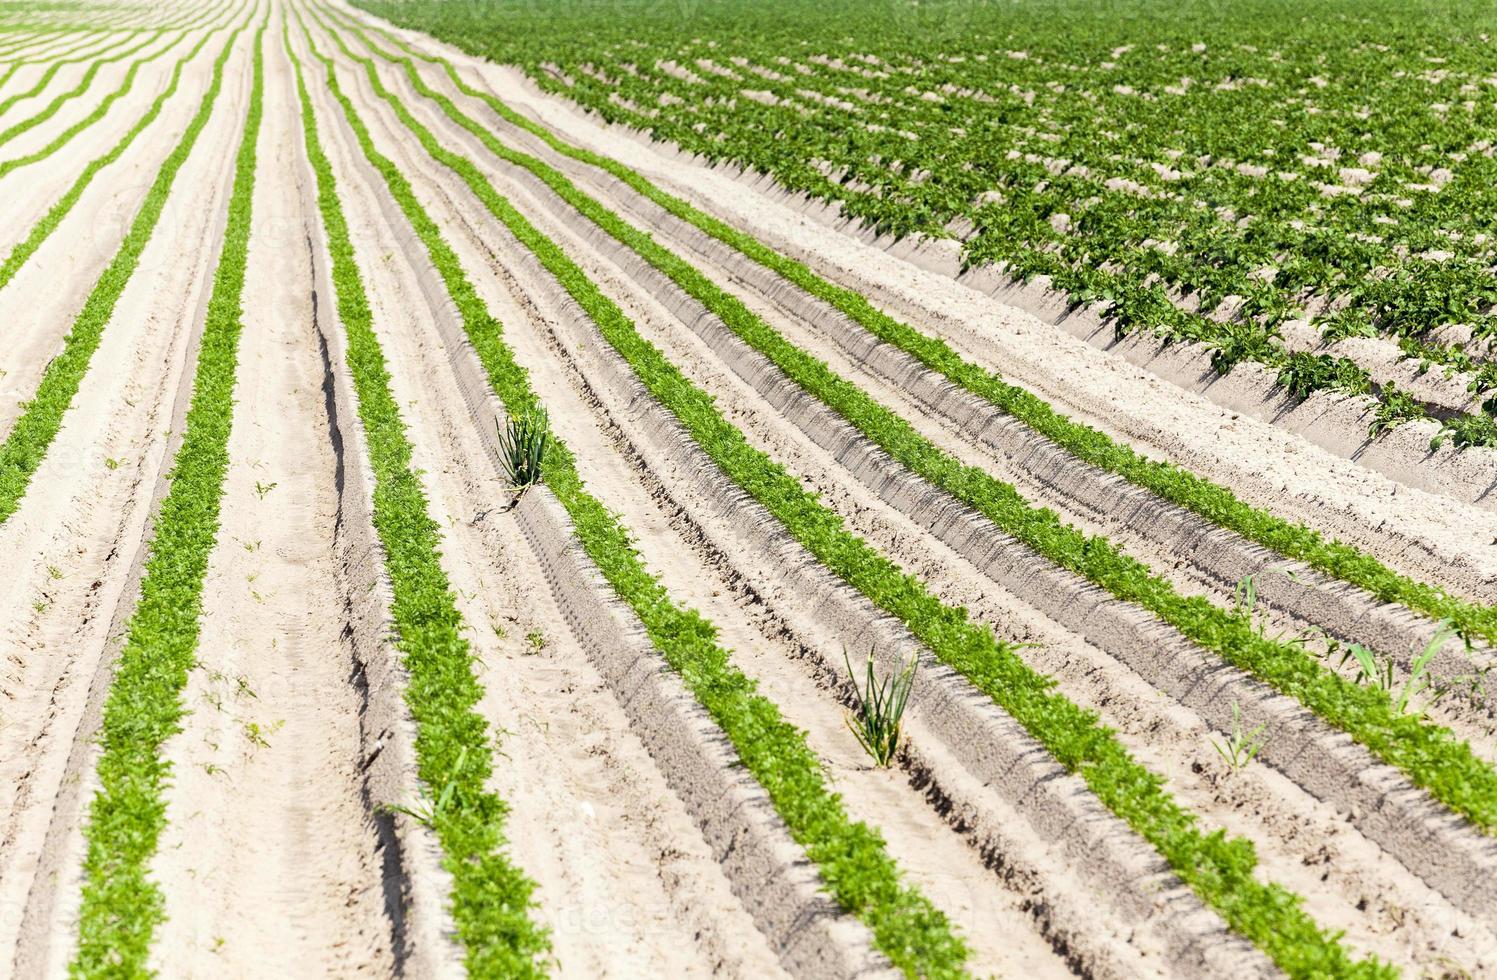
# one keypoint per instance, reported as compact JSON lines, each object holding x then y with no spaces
{"x":139,"y":396}
{"x":1408,"y":528}
{"x":269,"y":816}
{"x":568,"y":789}
{"x":621,"y":335}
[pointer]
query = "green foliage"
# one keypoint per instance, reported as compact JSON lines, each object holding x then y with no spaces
{"x":917,"y":118}
{"x":49,"y":222}
{"x":491,"y":897}
{"x":33,"y":432}
{"x":1219,"y":868}
{"x":1431,"y":756}
{"x":1212,"y":501}
{"x":51,"y":108}
{"x":121,"y":905}
{"x":1242,"y":746}
{"x":850,"y":856}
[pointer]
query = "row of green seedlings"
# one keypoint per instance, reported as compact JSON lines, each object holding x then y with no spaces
{"x":56,"y":65}
{"x":63,"y":98}
{"x":879,"y":704}
{"x":100,"y":110}
{"x":1430,"y":755}
{"x":121,"y":905}
{"x":1419,"y":690}
{"x":1219,"y":868}
{"x":31,"y":435}
{"x":492,"y":900}
{"x":89,"y":41}
{"x":60,"y":209}
{"x":850,"y":856}
{"x":1175,"y":484}
{"x":1086,"y":267}
{"x":98,"y":113}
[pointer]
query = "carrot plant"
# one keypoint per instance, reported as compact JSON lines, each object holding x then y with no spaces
{"x":121,"y":905}
{"x":492,"y":900}
{"x":1219,"y":868}
{"x":850,"y":856}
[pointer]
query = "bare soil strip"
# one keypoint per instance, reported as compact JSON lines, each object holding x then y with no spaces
{"x":268,"y":818}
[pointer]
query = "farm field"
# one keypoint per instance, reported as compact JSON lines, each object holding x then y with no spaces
{"x":465,"y":471}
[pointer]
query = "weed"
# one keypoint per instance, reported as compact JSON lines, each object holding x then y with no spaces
{"x":258,"y":735}
{"x":876,"y":722}
{"x":427,"y":810}
{"x":522,"y":448}
{"x":1380,"y":673}
{"x":261,"y":489}
{"x":1243,"y":746}
{"x":537,"y":641}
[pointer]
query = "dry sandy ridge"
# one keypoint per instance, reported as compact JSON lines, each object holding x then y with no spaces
{"x":281,"y":855}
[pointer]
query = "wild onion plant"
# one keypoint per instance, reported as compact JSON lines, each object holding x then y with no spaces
{"x":1380,"y":673}
{"x":523,"y":439}
{"x":1243,"y":746}
{"x":876,"y":722}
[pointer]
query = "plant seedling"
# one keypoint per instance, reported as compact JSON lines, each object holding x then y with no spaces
{"x":1420,"y":683}
{"x":881,"y":704}
{"x":1243,"y":746}
{"x":523,"y":440}
{"x":427,"y":811}
{"x":261,"y":489}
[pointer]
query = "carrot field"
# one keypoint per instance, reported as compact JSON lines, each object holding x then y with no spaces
{"x":748,"y":488}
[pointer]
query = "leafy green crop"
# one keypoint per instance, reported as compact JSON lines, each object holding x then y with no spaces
{"x":1220,"y":869}
{"x":121,"y":905}
{"x":850,"y":856}
{"x":1429,"y":754}
{"x":492,"y":899}
{"x":1180,"y":164}
{"x":26,"y":445}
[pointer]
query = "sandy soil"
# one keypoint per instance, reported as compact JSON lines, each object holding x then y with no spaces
{"x":1176,"y":743}
{"x":280,"y":856}
{"x":621,"y":884}
{"x":83,"y":539}
{"x":268,"y":821}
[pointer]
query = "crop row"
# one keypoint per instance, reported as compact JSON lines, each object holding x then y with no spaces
{"x":1427,"y":753}
{"x":491,"y":897}
{"x":121,"y":905}
{"x":1061,"y":153}
{"x":492,"y":900}
{"x":851,"y":856}
{"x":26,"y":444}
{"x":819,"y":529}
